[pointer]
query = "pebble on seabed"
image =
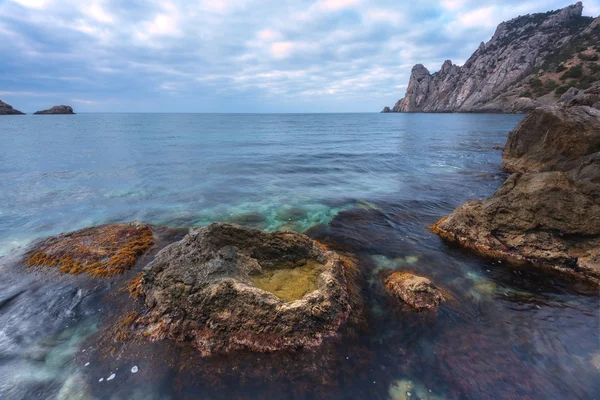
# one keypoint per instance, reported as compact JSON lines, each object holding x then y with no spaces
{"x":134,"y":369}
{"x":100,"y":380}
{"x":111,"y":377}
{"x":87,"y":363}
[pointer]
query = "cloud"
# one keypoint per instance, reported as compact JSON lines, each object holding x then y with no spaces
{"x":240,"y":55}
{"x":82,"y":101}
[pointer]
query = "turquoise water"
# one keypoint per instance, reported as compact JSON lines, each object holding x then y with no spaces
{"x":369,"y":182}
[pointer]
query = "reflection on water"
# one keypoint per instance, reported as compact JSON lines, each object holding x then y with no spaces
{"x":368,"y":184}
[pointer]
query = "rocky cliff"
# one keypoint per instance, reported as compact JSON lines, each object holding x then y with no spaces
{"x":530,"y":61}
{"x":6,"y":109}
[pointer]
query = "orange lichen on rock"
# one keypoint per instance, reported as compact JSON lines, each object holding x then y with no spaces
{"x":101,"y":251}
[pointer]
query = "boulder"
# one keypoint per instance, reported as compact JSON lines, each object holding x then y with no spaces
{"x":226,"y":287}
{"x":386,"y":109}
{"x":548,"y":212}
{"x":552,"y":138}
{"x":540,"y":218}
{"x":6,"y":109}
{"x":100,"y":251}
{"x":578,"y":97}
{"x":416,"y":291}
{"x":56,"y":110}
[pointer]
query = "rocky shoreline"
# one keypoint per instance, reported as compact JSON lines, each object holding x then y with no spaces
{"x":547,"y":213}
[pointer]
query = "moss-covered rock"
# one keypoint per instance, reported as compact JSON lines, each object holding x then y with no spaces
{"x":226,"y":287}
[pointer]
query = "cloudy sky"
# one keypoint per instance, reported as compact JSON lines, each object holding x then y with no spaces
{"x":235,"y":55}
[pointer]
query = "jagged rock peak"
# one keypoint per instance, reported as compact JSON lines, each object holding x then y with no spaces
{"x":419,"y":72}
{"x":7,"y":109}
{"x":564,"y":15}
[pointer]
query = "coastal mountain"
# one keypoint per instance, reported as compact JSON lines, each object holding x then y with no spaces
{"x":6,"y":109}
{"x":56,"y":110}
{"x":530,"y":61}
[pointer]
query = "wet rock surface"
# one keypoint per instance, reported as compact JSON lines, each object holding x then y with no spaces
{"x":56,"y":110}
{"x":204,"y":289}
{"x":548,"y":213}
{"x":100,"y":251}
{"x":539,"y":218}
{"x":553,"y":139}
{"x":416,"y":291}
{"x":7,"y":109}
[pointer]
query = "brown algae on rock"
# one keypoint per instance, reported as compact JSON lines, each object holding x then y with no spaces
{"x":290,"y":283}
{"x":100,"y":251}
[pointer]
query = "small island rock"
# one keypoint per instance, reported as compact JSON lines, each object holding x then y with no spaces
{"x":6,"y":109}
{"x":226,"y":287}
{"x":56,"y":110}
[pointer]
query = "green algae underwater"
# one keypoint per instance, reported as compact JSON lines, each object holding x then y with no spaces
{"x":362,"y":184}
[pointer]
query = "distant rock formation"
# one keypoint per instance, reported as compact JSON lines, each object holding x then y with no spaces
{"x":529,"y":62}
{"x":548,"y":212}
{"x":386,"y":109}
{"x":6,"y":109}
{"x":56,"y":110}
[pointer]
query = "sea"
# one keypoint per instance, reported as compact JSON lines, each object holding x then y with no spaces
{"x":370,"y":183}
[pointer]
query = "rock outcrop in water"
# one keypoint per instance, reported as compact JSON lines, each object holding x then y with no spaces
{"x":7,"y":109}
{"x":553,"y":139}
{"x":56,"y":110}
{"x":416,"y":291}
{"x":530,"y":61}
{"x":99,"y":251}
{"x":227,"y":287}
{"x":548,"y":213}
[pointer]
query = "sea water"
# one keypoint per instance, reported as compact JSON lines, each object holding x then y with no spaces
{"x":372,"y":182}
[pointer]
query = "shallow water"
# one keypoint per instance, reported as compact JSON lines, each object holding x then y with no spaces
{"x":368,"y":183}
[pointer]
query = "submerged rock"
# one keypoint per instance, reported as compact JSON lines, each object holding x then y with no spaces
{"x":101,"y":251}
{"x":6,"y":109}
{"x":56,"y":110}
{"x":416,"y":291}
{"x":227,"y":287}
